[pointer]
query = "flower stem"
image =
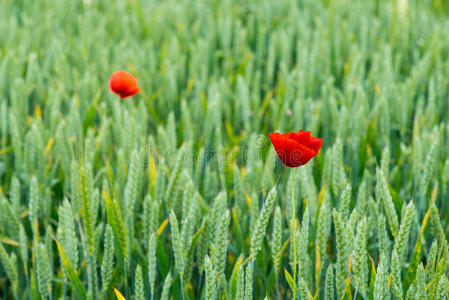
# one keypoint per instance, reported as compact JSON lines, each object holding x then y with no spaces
{"x":293,"y":225}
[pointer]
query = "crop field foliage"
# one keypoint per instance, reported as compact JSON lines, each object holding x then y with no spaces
{"x":177,"y":193}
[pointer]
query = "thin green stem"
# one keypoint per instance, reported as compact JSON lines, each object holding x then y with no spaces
{"x":293,"y":221}
{"x":28,"y":282}
{"x":218,"y":289}
{"x":125,"y":271}
{"x":277,"y":287}
{"x":182,"y":289}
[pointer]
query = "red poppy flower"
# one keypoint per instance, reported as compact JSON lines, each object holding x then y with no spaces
{"x":123,"y":84}
{"x":295,"y":148}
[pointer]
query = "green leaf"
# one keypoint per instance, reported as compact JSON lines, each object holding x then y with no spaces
{"x":413,"y":266}
{"x":73,"y":277}
{"x":289,"y":279}
{"x":372,"y":280}
{"x":234,"y":276}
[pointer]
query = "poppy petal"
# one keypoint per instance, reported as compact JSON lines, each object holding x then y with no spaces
{"x":315,"y":143}
{"x":123,"y":84}
{"x":295,"y":149}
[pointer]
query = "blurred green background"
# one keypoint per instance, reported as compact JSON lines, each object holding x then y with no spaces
{"x":99,"y":193}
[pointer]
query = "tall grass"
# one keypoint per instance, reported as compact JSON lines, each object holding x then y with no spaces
{"x":177,"y":192}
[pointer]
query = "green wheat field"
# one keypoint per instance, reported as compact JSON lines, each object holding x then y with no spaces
{"x":177,"y":192}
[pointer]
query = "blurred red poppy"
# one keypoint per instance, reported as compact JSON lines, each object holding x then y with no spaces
{"x":295,"y":148}
{"x":123,"y":84}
